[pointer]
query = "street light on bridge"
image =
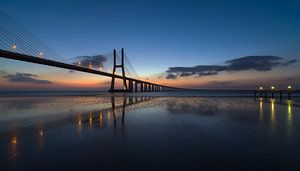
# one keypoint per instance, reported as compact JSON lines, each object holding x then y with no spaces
{"x":41,"y":54}
{"x":14,"y":46}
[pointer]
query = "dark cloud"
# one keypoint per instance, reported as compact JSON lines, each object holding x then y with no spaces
{"x":207,"y":73}
{"x":257,"y":63}
{"x":171,"y":76}
{"x":196,"y":69}
{"x":186,"y":74}
{"x":290,"y":62}
{"x":26,"y":77}
{"x":201,"y":70}
{"x":96,"y":61}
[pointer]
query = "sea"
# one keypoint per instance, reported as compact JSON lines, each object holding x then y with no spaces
{"x":170,"y":130}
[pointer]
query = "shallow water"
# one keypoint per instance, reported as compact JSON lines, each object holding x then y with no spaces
{"x":148,"y":132}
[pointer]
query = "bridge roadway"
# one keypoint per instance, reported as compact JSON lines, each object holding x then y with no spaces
{"x":144,"y":85}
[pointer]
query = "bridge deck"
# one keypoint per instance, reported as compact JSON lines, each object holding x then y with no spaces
{"x":42,"y":61}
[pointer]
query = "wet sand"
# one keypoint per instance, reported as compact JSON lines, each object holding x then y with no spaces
{"x":148,"y":132}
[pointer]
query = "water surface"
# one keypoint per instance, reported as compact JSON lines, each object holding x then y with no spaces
{"x":148,"y":132}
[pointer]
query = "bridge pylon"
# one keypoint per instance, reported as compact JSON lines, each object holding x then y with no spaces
{"x":112,"y":85}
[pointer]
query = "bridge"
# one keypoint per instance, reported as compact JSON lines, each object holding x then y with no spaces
{"x":18,"y":44}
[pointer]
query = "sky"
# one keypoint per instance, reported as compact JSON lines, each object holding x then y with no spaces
{"x":196,"y":44}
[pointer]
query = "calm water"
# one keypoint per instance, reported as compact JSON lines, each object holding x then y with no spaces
{"x":148,"y":132}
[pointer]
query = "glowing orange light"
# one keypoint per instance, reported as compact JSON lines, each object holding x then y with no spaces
{"x":14,"y":140}
{"x":91,"y":118}
{"x":79,"y":120}
{"x":14,"y":46}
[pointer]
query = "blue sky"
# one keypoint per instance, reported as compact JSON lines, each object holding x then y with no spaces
{"x":161,"y":34}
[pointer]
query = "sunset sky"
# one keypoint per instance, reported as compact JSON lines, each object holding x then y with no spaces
{"x":196,"y":44}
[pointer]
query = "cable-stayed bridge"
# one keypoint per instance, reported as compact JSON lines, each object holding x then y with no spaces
{"x":17,"y":43}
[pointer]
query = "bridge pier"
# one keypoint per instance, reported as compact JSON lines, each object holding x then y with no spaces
{"x":145,"y":87}
{"x":112,"y":86}
{"x":130,"y":86}
{"x":136,"y":86}
{"x":130,"y":100}
{"x":142,"y":87}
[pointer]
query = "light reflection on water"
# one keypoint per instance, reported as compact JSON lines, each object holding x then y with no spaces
{"x":153,"y":128}
{"x":261,"y":111}
{"x":273,"y":116}
{"x":101,"y":119}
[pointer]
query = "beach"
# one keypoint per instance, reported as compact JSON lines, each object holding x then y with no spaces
{"x":138,"y":131}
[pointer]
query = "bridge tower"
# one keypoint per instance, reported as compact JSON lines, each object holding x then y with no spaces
{"x":112,"y":86}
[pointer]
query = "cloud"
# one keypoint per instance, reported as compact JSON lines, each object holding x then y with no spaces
{"x":186,"y":74}
{"x":207,"y":73}
{"x":96,"y":61}
{"x":257,"y":63}
{"x":26,"y":77}
{"x":290,"y":62}
{"x":171,"y":76}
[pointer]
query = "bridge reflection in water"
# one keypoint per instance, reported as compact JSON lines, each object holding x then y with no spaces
{"x":104,"y":116}
{"x":101,"y":118}
{"x":105,"y":128}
